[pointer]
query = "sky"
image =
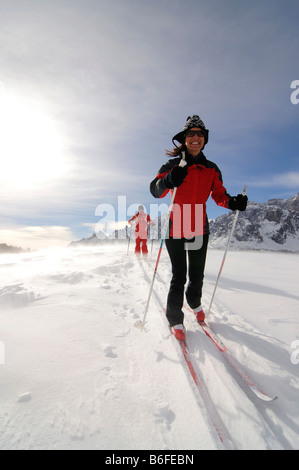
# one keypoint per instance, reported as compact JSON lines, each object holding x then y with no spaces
{"x":92,"y":92}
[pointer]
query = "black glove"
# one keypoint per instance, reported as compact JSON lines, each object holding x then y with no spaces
{"x":176,"y":176}
{"x":238,"y":202}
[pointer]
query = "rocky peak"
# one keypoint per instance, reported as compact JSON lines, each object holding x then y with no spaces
{"x":273,"y":225}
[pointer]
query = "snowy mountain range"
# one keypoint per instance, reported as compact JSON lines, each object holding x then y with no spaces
{"x":273,"y":225}
{"x":263,"y":226}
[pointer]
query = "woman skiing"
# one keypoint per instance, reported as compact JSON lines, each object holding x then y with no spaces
{"x":141,"y":220}
{"x":188,"y":228}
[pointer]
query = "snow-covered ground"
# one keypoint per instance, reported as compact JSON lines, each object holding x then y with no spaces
{"x":76,"y":374}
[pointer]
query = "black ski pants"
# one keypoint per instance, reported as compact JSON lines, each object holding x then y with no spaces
{"x":186,"y":257}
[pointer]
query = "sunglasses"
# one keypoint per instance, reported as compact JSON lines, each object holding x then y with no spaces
{"x":193,"y":133}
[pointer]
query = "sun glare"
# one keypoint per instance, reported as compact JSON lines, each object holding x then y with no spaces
{"x":31,"y":150}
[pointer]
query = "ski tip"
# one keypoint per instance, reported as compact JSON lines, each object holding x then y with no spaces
{"x":263,"y":395}
{"x":270,"y":399}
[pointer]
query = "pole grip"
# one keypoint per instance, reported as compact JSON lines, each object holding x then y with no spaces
{"x":183,"y":160}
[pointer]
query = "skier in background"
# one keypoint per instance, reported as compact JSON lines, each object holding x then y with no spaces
{"x":141,"y":220}
{"x":189,"y":229}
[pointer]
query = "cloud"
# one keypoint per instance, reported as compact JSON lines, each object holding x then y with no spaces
{"x":288,"y":180}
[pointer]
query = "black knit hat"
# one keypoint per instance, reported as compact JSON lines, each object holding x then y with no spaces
{"x":192,"y":121}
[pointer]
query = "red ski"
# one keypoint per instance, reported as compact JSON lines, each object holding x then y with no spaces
{"x":235,"y":364}
{"x":215,"y":418}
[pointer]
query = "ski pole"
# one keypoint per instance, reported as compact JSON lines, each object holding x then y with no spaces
{"x":225,"y":253}
{"x":140,"y":324}
{"x":129,"y":240}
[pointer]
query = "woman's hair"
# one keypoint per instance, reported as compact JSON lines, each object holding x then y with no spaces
{"x":175,"y":152}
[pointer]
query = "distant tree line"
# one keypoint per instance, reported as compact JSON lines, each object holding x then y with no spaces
{"x":4,"y":248}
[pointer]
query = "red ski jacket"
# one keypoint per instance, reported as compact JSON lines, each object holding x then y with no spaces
{"x":142,"y":221}
{"x":189,"y":217}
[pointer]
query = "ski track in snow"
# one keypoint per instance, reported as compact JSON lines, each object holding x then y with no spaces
{"x":78,"y":375}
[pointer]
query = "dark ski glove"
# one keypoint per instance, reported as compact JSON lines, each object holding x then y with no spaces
{"x":238,"y":202}
{"x":176,"y":177}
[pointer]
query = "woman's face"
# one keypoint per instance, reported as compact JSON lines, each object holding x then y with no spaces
{"x":194,"y":140}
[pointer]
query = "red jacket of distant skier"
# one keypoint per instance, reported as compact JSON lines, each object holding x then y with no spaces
{"x":142,"y":220}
